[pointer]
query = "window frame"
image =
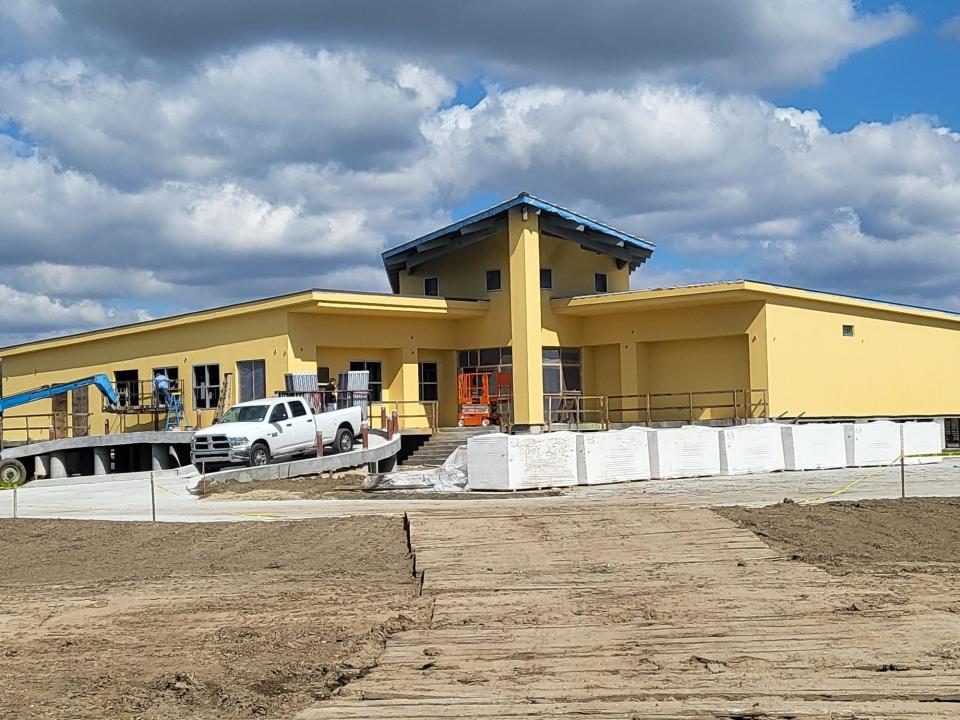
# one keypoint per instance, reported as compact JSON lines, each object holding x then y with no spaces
{"x":596,"y":283}
{"x":434,"y":279}
{"x":549,"y":285}
{"x":426,"y":384}
{"x":375,"y":386}
{"x":852,"y":330}
{"x":240,"y":397}
{"x":210,"y":390}
{"x":486,"y":279}
{"x":132,"y":387}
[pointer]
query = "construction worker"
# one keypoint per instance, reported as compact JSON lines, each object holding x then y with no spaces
{"x":161,"y":386}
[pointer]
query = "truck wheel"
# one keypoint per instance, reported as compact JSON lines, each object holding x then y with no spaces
{"x":344,"y":440}
{"x":259,"y":455}
{"x":12,"y":472}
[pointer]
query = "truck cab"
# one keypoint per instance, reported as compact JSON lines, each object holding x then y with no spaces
{"x":257,"y":431}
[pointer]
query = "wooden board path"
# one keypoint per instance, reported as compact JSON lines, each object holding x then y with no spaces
{"x":626,"y":610}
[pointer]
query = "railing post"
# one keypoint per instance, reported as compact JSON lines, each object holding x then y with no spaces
{"x":396,"y":420}
{"x":690,"y":404}
{"x":383,"y":416}
{"x":365,"y":435}
{"x":319,"y":444}
{"x":736,"y":409}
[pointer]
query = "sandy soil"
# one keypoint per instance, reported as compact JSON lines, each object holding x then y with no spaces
{"x":870,"y":536}
{"x":237,"y":620}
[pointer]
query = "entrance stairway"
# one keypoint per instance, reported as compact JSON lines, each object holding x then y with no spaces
{"x":443,"y":442}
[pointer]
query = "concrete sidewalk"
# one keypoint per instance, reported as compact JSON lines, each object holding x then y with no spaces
{"x":130,"y":499}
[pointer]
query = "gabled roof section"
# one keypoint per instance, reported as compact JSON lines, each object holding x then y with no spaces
{"x":554,"y":220}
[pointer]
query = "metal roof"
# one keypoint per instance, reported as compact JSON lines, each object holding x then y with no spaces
{"x":632,"y":248}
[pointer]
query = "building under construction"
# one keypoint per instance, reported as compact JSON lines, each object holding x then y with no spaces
{"x":536,"y":297}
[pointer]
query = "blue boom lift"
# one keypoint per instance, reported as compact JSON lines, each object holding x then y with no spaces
{"x":12,"y":472}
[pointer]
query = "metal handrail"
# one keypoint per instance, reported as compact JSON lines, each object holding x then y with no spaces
{"x":54,"y":425}
{"x":740,"y":402}
{"x":574,"y":407}
{"x":140,"y":397}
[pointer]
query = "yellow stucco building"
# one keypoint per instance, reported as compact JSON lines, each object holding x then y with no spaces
{"x":542,"y":293}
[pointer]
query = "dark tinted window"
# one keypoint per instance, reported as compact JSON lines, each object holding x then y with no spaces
{"x":600,"y":282}
{"x":297,"y":409}
{"x":431,"y":287}
{"x":546,"y":278}
{"x":493,"y":280}
{"x":279,"y":413}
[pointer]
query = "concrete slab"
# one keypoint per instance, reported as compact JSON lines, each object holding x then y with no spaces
{"x":111,"y":499}
{"x":174,"y":437}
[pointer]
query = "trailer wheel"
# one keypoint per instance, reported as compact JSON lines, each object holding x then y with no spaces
{"x":12,"y":472}
{"x":259,"y":454}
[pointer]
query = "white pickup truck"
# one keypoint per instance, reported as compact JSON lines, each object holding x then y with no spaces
{"x":254,"y":432}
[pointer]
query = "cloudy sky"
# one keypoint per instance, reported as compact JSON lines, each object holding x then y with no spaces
{"x":162,"y":157}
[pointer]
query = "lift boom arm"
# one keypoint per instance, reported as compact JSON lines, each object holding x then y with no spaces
{"x":101,"y":381}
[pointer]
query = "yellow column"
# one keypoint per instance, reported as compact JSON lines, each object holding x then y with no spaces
{"x":410,"y":387}
{"x":757,"y":344}
{"x":525,"y":320}
{"x":629,"y":383}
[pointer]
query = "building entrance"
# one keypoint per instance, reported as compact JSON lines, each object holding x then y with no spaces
{"x":484,"y":384}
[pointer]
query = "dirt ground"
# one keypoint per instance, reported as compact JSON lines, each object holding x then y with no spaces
{"x":870,"y":536}
{"x":177,"y":621}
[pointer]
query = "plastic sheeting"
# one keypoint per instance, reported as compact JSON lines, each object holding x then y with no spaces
{"x":813,"y":446}
{"x":496,"y":461}
{"x":871,"y":443}
{"x":614,"y":456}
{"x":751,"y":449}
{"x":922,"y":438}
{"x":688,"y":451}
{"x":449,"y":477}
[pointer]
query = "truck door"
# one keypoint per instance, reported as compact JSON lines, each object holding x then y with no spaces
{"x":283,"y":425}
{"x":303,"y":425}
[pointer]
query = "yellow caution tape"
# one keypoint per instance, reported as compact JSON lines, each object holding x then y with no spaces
{"x":848,"y":486}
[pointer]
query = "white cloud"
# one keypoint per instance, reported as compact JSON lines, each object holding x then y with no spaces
{"x":28,"y":314}
{"x":950,"y":29}
{"x":743,"y":44}
{"x":234,"y":115}
{"x":278,"y":168}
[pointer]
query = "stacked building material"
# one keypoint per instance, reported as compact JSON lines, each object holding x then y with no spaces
{"x":613,"y":457}
{"x":688,"y":451}
{"x":871,"y":443}
{"x":922,"y":438}
{"x":496,"y":461}
{"x":814,"y":446}
{"x":751,"y":449}
{"x":300,"y":382}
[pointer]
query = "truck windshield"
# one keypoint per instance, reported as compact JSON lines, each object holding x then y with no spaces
{"x":247,"y":413}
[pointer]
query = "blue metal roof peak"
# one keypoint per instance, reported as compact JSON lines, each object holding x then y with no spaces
{"x":523,"y":198}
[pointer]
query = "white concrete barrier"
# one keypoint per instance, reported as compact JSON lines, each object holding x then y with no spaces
{"x":614,"y":456}
{"x":813,"y":446}
{"x":688,"y":451}
{"x":496,"y":461}
{"x":871,"y":443}
{"x":922,"y":438}
{"x":748,"y":449}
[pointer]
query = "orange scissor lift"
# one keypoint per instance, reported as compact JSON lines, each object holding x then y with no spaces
{"x":480,"y":396}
